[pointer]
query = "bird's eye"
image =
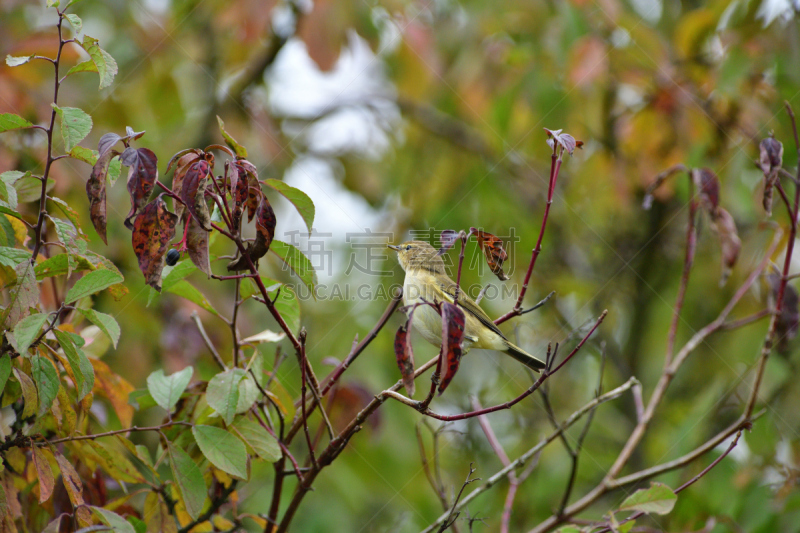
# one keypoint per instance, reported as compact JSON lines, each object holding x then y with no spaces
{"x":408,"y":246}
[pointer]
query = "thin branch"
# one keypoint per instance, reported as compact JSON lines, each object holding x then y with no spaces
{"x":210,"y":345}
{"x":525,"y":457}
{"x":453,"y":516}
{"x":115,"y":432}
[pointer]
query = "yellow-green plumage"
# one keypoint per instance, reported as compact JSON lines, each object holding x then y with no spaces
{"x":426,"y":279}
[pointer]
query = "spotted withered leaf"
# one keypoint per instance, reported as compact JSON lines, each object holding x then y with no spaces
{"x":142,"y":176}
{"x":197,"y":244}
{"x":153,"y":229}
{"x":493,"y":250}
{"x":566,"y":140}
{"x":447,"y":238}
{"x":405,"y":358}
{"x":254,"y":193}
{"x":96,"y":191}
{"x":265,"y":232}
{"x":182,"y":167}
{"x":707,"y":184}
{"x":453,"y":321}
{"x":193,"y":190}
{"x":723,"y":224}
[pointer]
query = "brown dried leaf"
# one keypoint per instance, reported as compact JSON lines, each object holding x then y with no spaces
{"x":453,"y":321}
{"x":447,"y":238}
{"x":182,"y":167}
{"x":107,"y":142}
{"x":142,"y":177}
{"x":265,"y":232}
{"x":707,"y":184}
{"x":405,"y":358}
{"x":43,"y":472}
{"x":725,"y":226}
{"x":115,"y":388}
{"x":239,"y":183}
{"x":770,"y":152}
{"x":96,"y":191}
{"x":197,"y":244}
{"x":193,"y":190}
{"x":71,"y":479}
{"x":493,"y":250}
{"x":153,"y":228}
{"x":788,"y":322}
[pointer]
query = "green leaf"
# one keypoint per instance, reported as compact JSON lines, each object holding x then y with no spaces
{"x":240,"y":150}
{"x":5,"y":371}
{"x":75,"y":125}
{"x":297,"y":261}
{"x":10,"y":121}
{"x":176,"y":273}
{"x":141,"y":399}
{"x":222,"y":393}
{"x":29,"y":395}
{"x":8,"y":195}
{"x":71,"y":215}
{"x":23,"y":296}
{"x":45,"y":377}
{"x":83,"y":154}
{"x":189,"y":479}
{"x":83,"y":66}
{"x":112,"y":520}
{"x":224,"y":450}
{"x":289,"y":308}
{"x":568,"y":529}
{"x":53,"y":3}
{"x":184,"y":289}
{"x":254,"y":435}
{"x":75,"y":21}
{"x":114,"y":170}
{"x":60,"y":265}
{"x":29,"y":188}
{"x":112,"y":458}
{"x":299,"y":199}
{"x":12,"y":61}
{"x":79,"y":363}
{"x":105,"y":322}
{"x":26,"y":331}
{"x":92,"y":283}
{"x":11,"y":257}
{"x":167,"y":390}
{"x":658,"y":499}
{"x":105,"y":64}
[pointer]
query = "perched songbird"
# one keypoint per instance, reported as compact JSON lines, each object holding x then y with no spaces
{"x":426,"y":279}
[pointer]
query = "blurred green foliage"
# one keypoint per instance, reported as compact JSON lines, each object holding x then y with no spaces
{"x":644,"y":84}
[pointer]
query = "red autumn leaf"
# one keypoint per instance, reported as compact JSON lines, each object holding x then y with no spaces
{"x":197,"y":244}
{"x":723,"y":224}
{"x":707,"y":184}
{"x":142,"y":176}
{"x":493,"y":250}
{"x":566,"y":140}
{"x":447,"y":238}
{"x":181,"y":168}
{"x":193,"y":191}
{"x":405,"y":358}
{"x":153,"y":228}
{"x":254,"y":192}
{"x":96,"y":191}
{"x":453,"y":321}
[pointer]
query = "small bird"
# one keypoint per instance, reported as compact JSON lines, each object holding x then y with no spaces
{"x":426,"y":279}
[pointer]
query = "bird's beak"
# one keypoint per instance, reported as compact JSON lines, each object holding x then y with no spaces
{"x":394,"y":247}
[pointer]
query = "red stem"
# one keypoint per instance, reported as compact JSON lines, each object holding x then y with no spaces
{"x":555,"y":166}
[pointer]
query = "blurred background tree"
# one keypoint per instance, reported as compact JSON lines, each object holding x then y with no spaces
{"x":401,"y":116}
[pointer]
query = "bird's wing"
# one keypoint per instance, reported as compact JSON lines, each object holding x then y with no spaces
{"x":465,"y":302}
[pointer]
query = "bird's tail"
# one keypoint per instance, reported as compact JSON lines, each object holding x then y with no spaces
{"x":524,"y":357}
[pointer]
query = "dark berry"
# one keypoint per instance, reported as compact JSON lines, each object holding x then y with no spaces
{"x":173,"y":256}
